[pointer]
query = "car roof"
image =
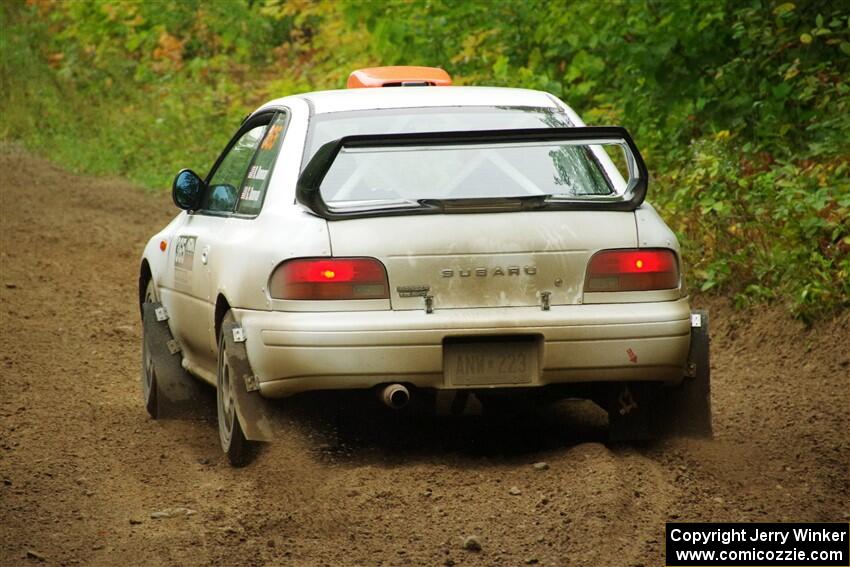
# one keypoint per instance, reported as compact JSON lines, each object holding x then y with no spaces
{"x":413,"y":97}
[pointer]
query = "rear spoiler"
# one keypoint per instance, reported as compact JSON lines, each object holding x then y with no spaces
{"x":307,"y":189}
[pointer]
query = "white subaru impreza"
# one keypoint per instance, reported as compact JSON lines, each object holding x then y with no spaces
{"x":414,"y":238}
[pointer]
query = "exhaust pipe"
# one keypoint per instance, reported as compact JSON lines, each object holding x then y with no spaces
{"x":395,"y":396}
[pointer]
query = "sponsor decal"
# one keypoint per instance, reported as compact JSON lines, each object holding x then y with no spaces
{"x":271,"y":137}
{"x":184,"y":262}
{"x":184,"y":252}
{"x":257,"y":172}
{"x":250,"y":194}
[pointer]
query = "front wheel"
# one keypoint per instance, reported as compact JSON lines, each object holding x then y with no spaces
{"x":149,"y":382}
{"x":238,"y":449}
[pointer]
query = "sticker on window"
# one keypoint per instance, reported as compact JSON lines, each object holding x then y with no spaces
{"x":271,"y":137}
{"x":257,"y":172}
{"x":249,"y":194}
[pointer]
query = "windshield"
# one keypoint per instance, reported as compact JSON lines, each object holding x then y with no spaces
{"x":361,"y":175}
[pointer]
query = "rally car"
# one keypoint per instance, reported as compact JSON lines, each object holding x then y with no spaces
{"x":411,"y":237}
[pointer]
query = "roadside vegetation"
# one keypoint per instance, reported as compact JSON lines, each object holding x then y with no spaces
{"x":742,"y":109}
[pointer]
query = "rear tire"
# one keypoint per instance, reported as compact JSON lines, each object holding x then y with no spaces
{"x":497,"y":408}
{"x":239,"y":450}
{"x":630,"y":407}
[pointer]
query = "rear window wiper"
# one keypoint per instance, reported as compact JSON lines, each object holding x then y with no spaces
{"x":487,"y":204}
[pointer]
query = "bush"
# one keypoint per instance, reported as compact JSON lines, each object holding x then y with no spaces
{"x":740,"y":108}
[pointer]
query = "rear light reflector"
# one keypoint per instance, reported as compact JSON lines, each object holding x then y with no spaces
{"x":329,"y":278}
{"x":632,"y":270}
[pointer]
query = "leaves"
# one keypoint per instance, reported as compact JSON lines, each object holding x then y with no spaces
{"x":783,"y":8}
{"x":742,"y":109}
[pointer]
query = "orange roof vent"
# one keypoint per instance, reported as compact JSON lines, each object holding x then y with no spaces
{"x":398,"y":77}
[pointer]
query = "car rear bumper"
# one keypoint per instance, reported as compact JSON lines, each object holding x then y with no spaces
{"x":292,"y":352}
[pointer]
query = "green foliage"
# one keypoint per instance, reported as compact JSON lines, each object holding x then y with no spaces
{"x":130,"y":88}
{"x":740,"y":107}
{"x":765,"y":231}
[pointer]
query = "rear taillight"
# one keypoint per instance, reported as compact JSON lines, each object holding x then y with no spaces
{"x":329,"y":278}
{"x":632,"y":270}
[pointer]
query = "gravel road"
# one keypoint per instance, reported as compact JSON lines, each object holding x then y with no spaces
{"x":89,"y":479}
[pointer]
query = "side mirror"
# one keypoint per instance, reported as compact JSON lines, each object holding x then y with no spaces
{"x":187,"y":189}
{"x":222,"y":197}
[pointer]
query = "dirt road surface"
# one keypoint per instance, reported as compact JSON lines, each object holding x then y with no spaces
{"x":85,"y":471}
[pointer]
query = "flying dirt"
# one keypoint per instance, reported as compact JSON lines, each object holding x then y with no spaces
{"x":89,"y":479}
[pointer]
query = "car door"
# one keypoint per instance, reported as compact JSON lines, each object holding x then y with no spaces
{"x":192,"y":308}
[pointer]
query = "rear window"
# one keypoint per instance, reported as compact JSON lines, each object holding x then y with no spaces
{"x":467,"y":171}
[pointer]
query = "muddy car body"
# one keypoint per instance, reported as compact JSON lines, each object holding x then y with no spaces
{"x":420,"y":239}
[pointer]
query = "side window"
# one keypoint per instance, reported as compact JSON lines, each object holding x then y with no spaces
{"x":223,"y":193}
{"x":256,"y":182}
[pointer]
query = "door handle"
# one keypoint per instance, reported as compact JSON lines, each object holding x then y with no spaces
{"x":205,"y":255}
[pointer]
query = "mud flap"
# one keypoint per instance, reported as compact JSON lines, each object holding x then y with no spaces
{"x":685,"y":410}
{"x":178,"y":395}
{"x":258,"y":416}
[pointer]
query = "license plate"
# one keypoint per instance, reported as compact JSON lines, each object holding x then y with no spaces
{"x":490,"y":363}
